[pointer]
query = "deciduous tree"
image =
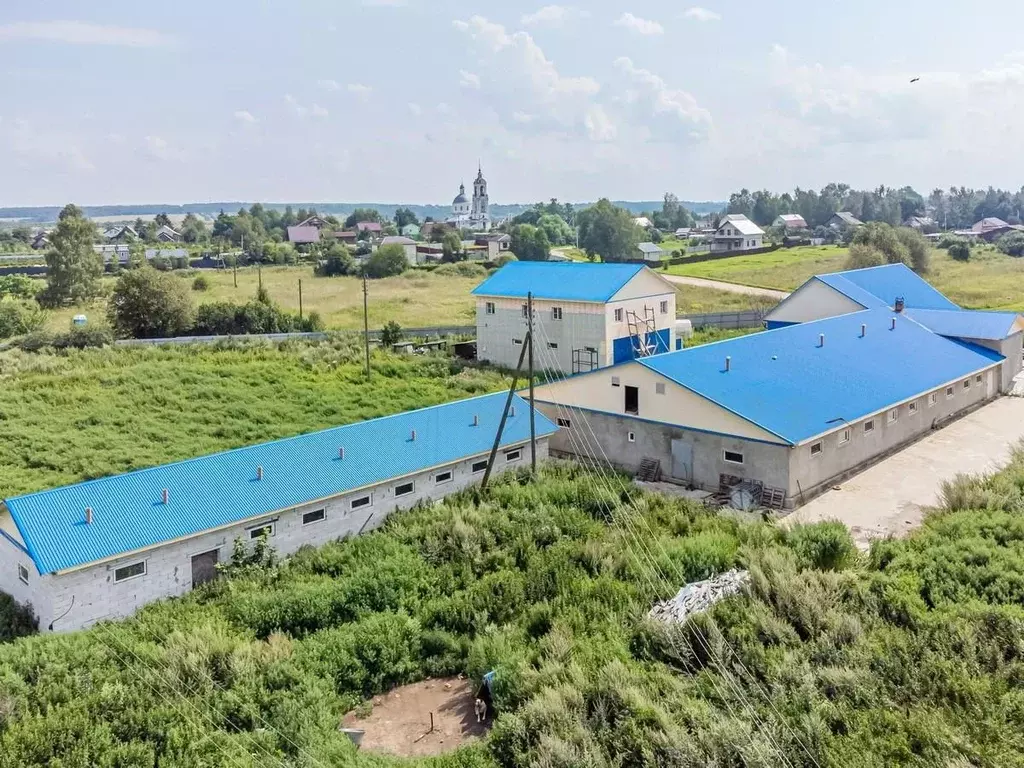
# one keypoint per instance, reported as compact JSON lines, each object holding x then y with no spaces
{"x":73,"y":267}
{"x":150,"y":304}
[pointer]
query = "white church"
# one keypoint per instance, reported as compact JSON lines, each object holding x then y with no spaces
{"x":475,"y":215}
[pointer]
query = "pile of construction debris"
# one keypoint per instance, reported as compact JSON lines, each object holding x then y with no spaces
{"x":1017,"y":390}
{"x":699,"y":596}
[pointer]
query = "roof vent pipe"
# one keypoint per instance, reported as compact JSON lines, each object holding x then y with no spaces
{"x":728,"y":363}
{"x":476,"y":420}
{"x":863,"y":330}
{"x":165,"y":495}
{"x":341,"y":453}
{"x":88,"y":515}
{"x":898,"y":306}
{"x":821,"y":339}
{"x":413,"y":438}
{"x":512,"y":411}
{"x":892,"y":325}
{"x":259,"y":473}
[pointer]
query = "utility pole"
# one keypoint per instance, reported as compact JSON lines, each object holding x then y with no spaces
{"x":533,"y":426}
{"x":366,"y":324}
{"x":504,"y":414}
{"x":259,"y":273}
{"x":300,"y":298}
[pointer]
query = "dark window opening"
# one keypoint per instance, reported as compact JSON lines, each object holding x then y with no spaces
{"x":632,"y":400}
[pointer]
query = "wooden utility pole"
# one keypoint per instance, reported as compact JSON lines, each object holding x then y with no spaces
{"x":366,"y":323}
{"x":533,"y":425}
{"x":300,"y":298}
{"x":259,"y":274}
{"x":504,"y":414}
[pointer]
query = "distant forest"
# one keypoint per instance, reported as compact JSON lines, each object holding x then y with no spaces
{"x":46,"y":214}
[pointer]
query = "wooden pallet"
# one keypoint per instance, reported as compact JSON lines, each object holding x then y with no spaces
{"x":649,"y":471}
{"x":773,"y":498}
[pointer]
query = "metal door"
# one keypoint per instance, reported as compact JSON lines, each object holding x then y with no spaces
{"x":204,"y":567}
{"x":990,"y":384}
{"x":682,"y":460}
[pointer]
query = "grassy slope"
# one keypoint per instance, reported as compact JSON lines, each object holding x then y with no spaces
{"x":76,"y":416}
{"x":990,"y":280}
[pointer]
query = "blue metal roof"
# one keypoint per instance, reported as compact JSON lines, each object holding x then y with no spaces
{"x":851,"y":290}
{"x":223,"y":489}
{"x":966,"y":323}
{"x":568,"y":281}
{"x":783,"y":381}
{"x":886,"y":283}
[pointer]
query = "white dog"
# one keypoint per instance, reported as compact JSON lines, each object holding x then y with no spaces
{"x":481,"y":710}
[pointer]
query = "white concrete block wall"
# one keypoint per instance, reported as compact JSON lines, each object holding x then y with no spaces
{"x":96,"y":596}
{"x":34,"y":591}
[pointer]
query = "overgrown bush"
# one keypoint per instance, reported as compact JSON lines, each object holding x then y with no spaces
{"x":462,"y":269}
{"x":226,"y":318}
{"x":18,"y":287}
{"x":864,"y":256}
{"x":825,"y":546}
{"x":16,"y":620}
{"x":19,"y":317}
{"x":960,"y":250}
{"x":390,"y":334}
{"x":884,"y":239}
{"x":201,"y":283}
{"x":1011,"y":244}
{"x":78,"y":337}
{"x":147,"y":304}
{"x":386,"y":261}
{"x":917,"y":247}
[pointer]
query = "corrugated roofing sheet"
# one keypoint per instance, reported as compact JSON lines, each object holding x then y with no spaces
{"x":569,"y":281}
{"x":222,"y":489}
{"x":853,"y":291}
{"x":966,"y":323}
{"x":892,"y":280}
{"x":786,"y":383}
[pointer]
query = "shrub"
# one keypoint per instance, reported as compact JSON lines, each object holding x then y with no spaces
{"x":863,"y":256}
{"x":79,"y":337}
{"x":147,"y":304}
{"x":225,"y":318}
{"x":960,"y":250}
{"x":884,"y":239}
{"x":1011,"y":244}
{"x":462,"y":269}
{"x":19,"y":317}
{"x":390,"y":334}
{"x":337,"y":261}
{"x":16,"y":620}
{"x":386,"y":261}
{"x":18,"y":287}
{"x":501,"y":261}
{"x":201,"y":283}
{"x":917,"y":246}
{"x":826,"y":546}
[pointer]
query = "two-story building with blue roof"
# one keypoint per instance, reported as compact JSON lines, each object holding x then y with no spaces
{"x":895,"y":286}
{"x":103,"y":548}
{"x":586,"y":316}
{"x":794,"y":409}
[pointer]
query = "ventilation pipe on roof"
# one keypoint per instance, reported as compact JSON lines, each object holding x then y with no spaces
{"x":413,"y":438}
{"x":728,"y":363}
{"x":512,"y":411}
{"x":165,"y":495}
{"x":476,"y":420}
{"x":898,"y":306}
{"x":863,"y":330}
{"x":341,"y":453}
{"x":88,"y":515}
{"x":821,"y":339}
{"x":259,"y":473}
{"x":892,"y":324}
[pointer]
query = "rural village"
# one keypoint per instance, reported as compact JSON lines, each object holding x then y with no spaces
{"x":606,"y":483}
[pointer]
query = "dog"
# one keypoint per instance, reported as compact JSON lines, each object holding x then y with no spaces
{"x":481,"y":710}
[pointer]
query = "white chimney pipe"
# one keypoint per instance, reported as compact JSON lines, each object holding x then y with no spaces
{"x":476,"y":420}
{"x":512,"y":411}
{"x":728,"y":363}
{"x":165,"y":495}
{"x":892,"y":327}
{"x":341,"y":453}
{"x":88,"y":515}
{"x":821,"y":339}
{"x":259,"y":473}
{"x":863,"y":330}
{"x":414,"y":435}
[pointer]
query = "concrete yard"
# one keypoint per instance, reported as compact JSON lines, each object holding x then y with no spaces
{"x":749,"y":290}
{"x":892,"y":497}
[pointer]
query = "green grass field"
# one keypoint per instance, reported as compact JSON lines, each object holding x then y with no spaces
{"x":990,"y":280}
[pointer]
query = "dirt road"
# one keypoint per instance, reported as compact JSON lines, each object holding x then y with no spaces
{"x":892,"y":497}
{"x":749,"y":290}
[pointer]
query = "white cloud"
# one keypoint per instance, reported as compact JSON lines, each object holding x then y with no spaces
{"x":669,"y":113}
{"x":415,"y":108}
{"x":158,"y":148}
{"x":317,"y":111}
{"x":360,"y":90}
{"x":552,"y":15}
{"x":385,"y":3}
{"x":329,"y":85}
{"x":638,"y":25}
{"x":298,"y":109}
{"x":84,"y":33}
{"x":523,"y":118}
{"x":701,"y":14}
{"x":469,"y":80}
{"x":245,"y":116}
{"x":599,"y":125}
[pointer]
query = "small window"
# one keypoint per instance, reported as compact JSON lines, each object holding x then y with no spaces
{"x":405,"y":489}
{"x":933,"y":398}
{"x":618,"y":315}
{"x":443,"y":477}
{"x":556,"y":313}
{"x":869,"y":426}
{"x":517,"y":341}
{"x":659,"y":388}
{"x":489,"y":308}
{"x":950,"y":393}
{"x":479,"y":466}
{"x":844,"y":436}
{"x":22,"y":573}
{"x":816,"y":449}
{"x":565,"y":423}
{"x":255,"y":533}
{"x":526,"y":310}
{"x":315,"y":516}
{"x":912,"y":408}
{"x":514,"y":455}
{"x":967,"y":383}
{"x":733,"y":457}
{"x":664,"y":307}
{"x":894,"y":414}
{"x":591,"y":349}
{"x":130,"y":571}
{"x":362,"y":501}
{"x":631,"y":437}
{"x":977,"y":379}
{"x":552,"y":345}
{"x":615,"y":381}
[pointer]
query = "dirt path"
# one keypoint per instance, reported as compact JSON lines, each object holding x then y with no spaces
{"x":750,"y":290}
{"x":893,"y":496}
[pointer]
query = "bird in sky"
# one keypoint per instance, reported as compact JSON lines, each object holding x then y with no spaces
{"x":914,"y":80}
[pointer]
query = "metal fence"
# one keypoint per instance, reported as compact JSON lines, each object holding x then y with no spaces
{"x":439,"y":331}
{"x":751,"y":318}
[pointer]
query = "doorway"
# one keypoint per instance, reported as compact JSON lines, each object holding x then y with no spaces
{"x":632,"y":400}
{"x":682,"y":460}
{"x":204,"y":568}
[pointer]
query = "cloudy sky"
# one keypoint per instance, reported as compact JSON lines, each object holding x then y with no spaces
{"x":123,"y":101}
